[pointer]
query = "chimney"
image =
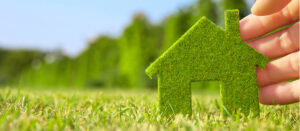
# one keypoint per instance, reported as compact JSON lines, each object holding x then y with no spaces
{"x":232,"y":22}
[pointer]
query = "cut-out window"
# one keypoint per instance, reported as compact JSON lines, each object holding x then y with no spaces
{"x":205,"y":93}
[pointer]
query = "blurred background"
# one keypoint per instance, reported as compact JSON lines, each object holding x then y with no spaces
{"x":95,"y":44}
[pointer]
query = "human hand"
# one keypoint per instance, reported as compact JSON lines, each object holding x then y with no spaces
{"x":282,"y":46}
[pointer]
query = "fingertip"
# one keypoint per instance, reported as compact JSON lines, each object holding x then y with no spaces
{"x":244,"y":28}
{"x":261,"y":77}
{"x":250,"y":27}
{"x":281,"y":93}
{"x":296,"y":89}
{"x":261,"y":98}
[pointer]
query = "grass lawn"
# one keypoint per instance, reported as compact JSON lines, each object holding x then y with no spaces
{"x":126,"y":110}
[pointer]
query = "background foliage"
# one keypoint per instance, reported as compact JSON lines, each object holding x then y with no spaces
{"x":111,"y":61}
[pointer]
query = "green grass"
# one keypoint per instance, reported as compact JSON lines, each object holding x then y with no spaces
{"x":126,"y":110}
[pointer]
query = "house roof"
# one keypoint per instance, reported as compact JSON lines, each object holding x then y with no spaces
{"x":231,"y":28}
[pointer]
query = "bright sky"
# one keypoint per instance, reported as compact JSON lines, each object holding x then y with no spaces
{"x":68,"y":24}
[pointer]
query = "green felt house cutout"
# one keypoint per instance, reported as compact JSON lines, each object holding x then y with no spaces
{"x":207,"y":52}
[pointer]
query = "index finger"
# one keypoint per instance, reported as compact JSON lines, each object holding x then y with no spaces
{"x":267,"y":7}
{"x":253,"y":26}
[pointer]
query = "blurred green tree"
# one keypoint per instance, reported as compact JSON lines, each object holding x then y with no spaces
{"x":15,"y":61}
{"x":205,"y":8}
{"x":87,"y":69}
{"x":175,"y":25}
{"x":139,"y":45}
{"x":103,"y":57}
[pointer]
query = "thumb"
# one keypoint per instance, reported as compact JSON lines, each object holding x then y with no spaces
{"x":267,"y":7}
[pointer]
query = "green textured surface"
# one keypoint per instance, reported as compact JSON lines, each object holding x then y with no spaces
{"x":205,"y":53}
